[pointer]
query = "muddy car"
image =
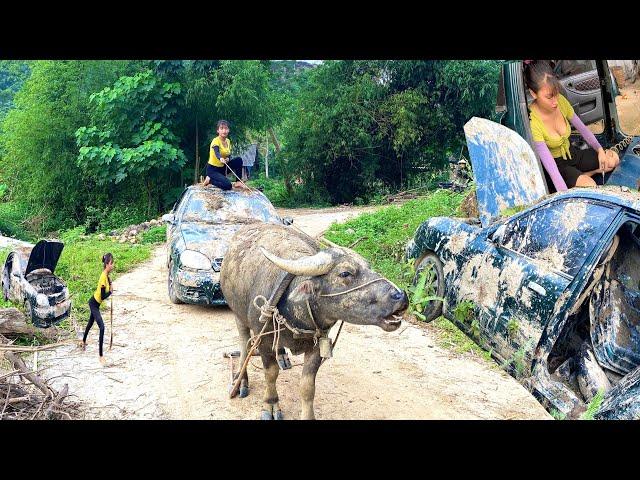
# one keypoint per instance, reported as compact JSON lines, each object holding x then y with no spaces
{"x":28,"y":278}
{"x":199,"y":228}
{"x":552,"y":291}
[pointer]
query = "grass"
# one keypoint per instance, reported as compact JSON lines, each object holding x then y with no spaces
{"x":594,"y":406}
{"x":383,"y":235}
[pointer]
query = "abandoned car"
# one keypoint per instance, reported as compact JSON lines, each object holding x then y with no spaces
{"x":28,"y":278}
{"x":199,"y":228}
{"x":552,"y":291}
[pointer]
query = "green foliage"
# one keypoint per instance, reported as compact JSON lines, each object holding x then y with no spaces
{"x":557,"y":415}
{"x":13,"y":73}
{"x":155,"y":235}
{"x":13,"y":221}
{"x":512,"y":327}
{"x":423,"y":292}
{"x":463,"y":311}
{"x":594,"y":406}
{"x":38,"y":143}
{"x":362,"y":122}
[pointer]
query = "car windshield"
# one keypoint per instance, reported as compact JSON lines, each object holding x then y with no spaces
{"x":212,"y":207}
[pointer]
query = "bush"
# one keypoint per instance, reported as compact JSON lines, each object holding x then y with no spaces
{"x":155,"y":235}
{"x":12,"y":221}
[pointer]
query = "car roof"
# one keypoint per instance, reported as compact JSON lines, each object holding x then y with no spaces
{"x":616,"y":195}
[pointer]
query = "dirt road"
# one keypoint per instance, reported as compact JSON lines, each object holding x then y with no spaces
{"x":167,"y":363}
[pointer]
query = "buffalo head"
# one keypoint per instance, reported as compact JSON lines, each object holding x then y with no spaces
{"x":340,"y":285}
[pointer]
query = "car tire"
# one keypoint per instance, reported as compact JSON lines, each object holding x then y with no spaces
{"x":434,"y":308}
{"x":170,"y":287}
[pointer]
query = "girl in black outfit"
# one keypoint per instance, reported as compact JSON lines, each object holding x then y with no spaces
{"x":103,"y":291}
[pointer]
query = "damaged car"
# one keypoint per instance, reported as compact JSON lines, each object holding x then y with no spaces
{"x":552,"y":290}
{"x":199,"y":228}
{"x":28,"y":279}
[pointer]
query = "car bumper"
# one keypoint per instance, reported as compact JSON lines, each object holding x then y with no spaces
{"x":199,"y":288}
{"x":47,"y":316}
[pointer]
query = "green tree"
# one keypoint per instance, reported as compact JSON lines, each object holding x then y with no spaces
{"x":131,"y":134}
{"x":38,"y":140}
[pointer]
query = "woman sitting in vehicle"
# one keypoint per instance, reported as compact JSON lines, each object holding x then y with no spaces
{"x":550,"y":115}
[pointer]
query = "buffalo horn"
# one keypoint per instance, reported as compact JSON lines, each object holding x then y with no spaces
{"x":311,"y":265}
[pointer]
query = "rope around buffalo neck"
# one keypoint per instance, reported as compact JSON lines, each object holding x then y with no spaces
{"x":359,"y":287}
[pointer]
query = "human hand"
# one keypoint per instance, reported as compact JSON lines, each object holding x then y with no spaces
{"x":614,"y":158}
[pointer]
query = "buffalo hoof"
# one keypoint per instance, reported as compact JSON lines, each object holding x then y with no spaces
{"x":279,"y":415}
{"x":244,"y":392}
{"x":266,"y":415}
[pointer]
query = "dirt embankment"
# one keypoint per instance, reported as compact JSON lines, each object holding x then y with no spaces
{"x":167,"y":363}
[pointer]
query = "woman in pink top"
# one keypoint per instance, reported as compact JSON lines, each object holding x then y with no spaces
{"x":551,"y":114}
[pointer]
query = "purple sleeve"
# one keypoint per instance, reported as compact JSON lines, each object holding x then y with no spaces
{"x":585,"y":132}
{"x":550,"y":166}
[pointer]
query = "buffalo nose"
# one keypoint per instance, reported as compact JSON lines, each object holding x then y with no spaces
{"x":398,"y":295}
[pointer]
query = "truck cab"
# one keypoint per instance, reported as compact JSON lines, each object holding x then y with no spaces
{"x":591,"y":89}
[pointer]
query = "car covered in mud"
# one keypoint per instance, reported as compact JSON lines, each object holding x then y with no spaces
{"x":199,"y":228}
{"x":28,"y":278}
{"x":548,"y":283}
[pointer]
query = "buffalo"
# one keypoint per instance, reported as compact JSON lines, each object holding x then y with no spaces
{"x":326,"y":286}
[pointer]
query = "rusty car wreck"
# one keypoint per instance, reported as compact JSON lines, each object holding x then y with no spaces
{"x":28,"y":278}
{"x":199,"y":228}
{"x":552,"y":291}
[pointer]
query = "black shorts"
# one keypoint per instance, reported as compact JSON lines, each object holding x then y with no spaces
{"x":212,"y":169}
{"x":581,"y":161}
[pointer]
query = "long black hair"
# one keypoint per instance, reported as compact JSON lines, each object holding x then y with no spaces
{"x":107,"y":258}
{"x":538,"y":73}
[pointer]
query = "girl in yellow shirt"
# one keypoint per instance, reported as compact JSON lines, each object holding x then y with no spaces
{"x":219,"y":160}
{"x":551,"y":115}
{"x":103,"y":291}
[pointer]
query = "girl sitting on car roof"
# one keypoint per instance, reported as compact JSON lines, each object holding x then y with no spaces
{"x":551,"y":115}
{"x":219,"y":160}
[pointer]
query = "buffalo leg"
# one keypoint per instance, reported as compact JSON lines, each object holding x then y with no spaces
{"x":312,"y":363}
{"x":245,"y":334}
{"x":271,"y":408}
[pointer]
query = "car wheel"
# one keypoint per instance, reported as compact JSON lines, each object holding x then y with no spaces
{"x":170,"y":286}
{"x":434,"y":285}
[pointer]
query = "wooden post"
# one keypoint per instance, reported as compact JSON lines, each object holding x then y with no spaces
{"x":266,"y":158}
{"x":197,"y":170}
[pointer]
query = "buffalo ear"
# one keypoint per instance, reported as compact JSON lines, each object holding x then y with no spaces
{"x":302,"y":292}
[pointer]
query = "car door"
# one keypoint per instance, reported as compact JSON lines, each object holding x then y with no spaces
{"x":542,"y":251}
{"x":581,"y":85}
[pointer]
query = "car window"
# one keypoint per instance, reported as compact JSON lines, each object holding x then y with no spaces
{"x":212,"y":208}
{"x":560,"y":235}
{"x":568,"y":68}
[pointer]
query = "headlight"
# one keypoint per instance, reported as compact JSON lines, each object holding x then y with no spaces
{"x":195,"y":260}
{"x":42,"y":300}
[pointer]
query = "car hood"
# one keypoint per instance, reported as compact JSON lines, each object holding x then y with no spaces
{"x":45,"y":254}
{"x":212,"y":240}
{"x":506,"y":171}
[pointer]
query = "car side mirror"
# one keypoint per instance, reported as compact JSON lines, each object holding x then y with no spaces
{"x":287,"y":220}
{"x":168,"y":218}
{"x":498,"y":234}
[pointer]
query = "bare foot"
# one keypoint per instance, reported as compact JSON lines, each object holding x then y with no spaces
{"x":103,"y":361}
{"x":82,"y":345}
